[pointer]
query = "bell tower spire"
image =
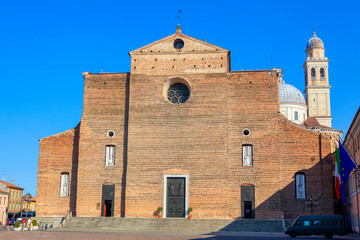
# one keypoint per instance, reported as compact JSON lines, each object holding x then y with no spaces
{"x":317,"y":87}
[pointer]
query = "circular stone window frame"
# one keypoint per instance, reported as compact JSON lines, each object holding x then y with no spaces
{"x":243,"y":132}
{"x":169,"y":83}
{"x":178,"y":40}
{"x":111,"y":131}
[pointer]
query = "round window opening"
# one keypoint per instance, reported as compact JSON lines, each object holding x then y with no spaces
{"x":178,"y":93}
{"x":179,"y":44}
{"x":111,"y":133}
{"x":246,"y":132}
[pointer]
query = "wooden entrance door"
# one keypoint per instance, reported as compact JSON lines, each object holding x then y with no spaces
{"x":175,"y":201}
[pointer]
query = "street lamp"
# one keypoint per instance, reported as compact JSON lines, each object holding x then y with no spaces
{"x":310,"y":202}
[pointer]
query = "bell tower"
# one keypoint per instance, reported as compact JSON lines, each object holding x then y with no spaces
{"x":317,"y":88}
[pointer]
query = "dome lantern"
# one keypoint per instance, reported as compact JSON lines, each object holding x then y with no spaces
{"x":314,"y":42}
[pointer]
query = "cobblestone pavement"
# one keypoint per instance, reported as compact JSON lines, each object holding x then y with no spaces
{"x":122,"y":235}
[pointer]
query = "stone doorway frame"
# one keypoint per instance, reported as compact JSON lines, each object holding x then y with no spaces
{"x":166,"y":176}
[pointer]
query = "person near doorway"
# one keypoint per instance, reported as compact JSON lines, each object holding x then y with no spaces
{"x":23,"y":225}
{"x":8,"y":223}
{"x":12,"y":222}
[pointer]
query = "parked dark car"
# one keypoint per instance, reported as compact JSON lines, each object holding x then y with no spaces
{"x":328,"y":225}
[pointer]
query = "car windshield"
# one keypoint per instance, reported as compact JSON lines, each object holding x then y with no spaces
{"x":295,"y":222}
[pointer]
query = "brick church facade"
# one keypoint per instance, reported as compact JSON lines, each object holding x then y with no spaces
{"x":183,"y":130}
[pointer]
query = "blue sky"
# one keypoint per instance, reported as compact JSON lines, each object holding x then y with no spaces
{"x":45,"y":45}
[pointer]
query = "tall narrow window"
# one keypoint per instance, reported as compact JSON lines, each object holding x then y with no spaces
{"x":300,"y":185}
{"x":110,"y":156}
{"x":64,"y":185}
{"x":312,"y":73}
{"x":296,"y":115}
{"x":322,"y":73}
{"x":247,"y":155}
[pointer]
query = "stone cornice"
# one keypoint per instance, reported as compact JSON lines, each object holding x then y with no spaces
{"x":318,"y":86}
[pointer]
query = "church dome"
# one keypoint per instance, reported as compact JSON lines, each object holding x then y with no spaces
{"x":290,"y":94}
{"x":314,"y":42}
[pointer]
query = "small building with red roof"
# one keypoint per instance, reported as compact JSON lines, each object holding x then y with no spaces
{"x":15,"y":194}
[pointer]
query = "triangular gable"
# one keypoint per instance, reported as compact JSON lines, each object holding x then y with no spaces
{"x":70,"y":131}
{"x":166,"y":45}
{"x":179,"y":53}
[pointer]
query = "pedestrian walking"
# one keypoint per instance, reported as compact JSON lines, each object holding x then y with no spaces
{"x":23,"y":225}
{"x":8,"y":223}
{"x":12,"y":222}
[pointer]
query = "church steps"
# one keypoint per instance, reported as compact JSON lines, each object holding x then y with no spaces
{"x":173,"y":224}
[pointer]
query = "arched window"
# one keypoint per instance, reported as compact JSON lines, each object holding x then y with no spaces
{"x":322,"y":73}
{"x":247,"y":155}
{"x":296,"y":115}
{"x":64,"y":185}
{"x":300,"y":185}
{"x":313,"y":73}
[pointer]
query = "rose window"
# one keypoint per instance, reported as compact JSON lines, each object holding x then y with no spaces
{"x":178,"y":93}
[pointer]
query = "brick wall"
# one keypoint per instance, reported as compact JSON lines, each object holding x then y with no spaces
{"x":302,"y":150}
{"x":58,"y":154}
{"x":104,"y":110}
{"x":196,"y":56}
{"x":201,"y":138}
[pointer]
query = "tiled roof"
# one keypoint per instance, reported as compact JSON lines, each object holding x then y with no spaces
{"x":1,"y":191}
{"x":33,"y":199}
{"x":313,"y":122}
{"x":11,"y":185}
